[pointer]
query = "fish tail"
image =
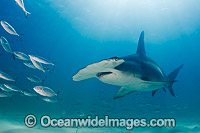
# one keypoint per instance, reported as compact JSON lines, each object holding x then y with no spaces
{"x":26,"y":13}
{"x":20,"y":37}
{"x":15,"y":80}
{"x":13,"y":55}
{"x":57,"y":93}
{"x":53,"y":66}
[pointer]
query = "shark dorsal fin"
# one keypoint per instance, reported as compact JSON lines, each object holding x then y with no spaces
{"x":141,"y":48}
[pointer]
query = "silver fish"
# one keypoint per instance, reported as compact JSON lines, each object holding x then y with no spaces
{"x":34,"y":79}
{"x":5,"y":89}
{"x":53,"y":99}
{"x":41,"y":60}
{"x":13,"y":88}
{"x":30,"y":65}
{"x":45,"y":91}
{"x":38,"y":65}
{"x":5,"y":94}
{"x":10,"y":29}
{"x":29,"y":93}
{"x":5,"y":76}
{"x":5,"y":45}
{"x":21,"y":56}
{"x":21,"y":4}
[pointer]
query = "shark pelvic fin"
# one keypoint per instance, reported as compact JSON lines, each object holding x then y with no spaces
{"x":154,"y":92}
{"x":164,"y":89}
{"x":141,"y":47}
{"x":123,"y":91}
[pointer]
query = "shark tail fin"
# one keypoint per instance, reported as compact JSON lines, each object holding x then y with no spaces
{"x":172,"y":77}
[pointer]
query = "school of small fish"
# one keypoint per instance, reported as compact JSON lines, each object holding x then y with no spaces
{"x":8,"y":88}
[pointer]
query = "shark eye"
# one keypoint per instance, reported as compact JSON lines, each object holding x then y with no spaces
{"x":115,"y":58}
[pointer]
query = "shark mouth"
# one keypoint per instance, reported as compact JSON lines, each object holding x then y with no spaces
{"x":101,"y":74}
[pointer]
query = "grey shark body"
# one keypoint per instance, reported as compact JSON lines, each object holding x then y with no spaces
{"x":135,"y":72}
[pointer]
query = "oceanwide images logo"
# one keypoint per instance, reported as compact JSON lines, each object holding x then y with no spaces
{"x":129,"y":124}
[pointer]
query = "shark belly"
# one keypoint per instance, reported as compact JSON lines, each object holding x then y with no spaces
{"x":117,"y":78}
{"x":129,"y":81}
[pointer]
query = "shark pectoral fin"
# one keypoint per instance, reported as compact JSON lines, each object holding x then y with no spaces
{"x":123,"y":91}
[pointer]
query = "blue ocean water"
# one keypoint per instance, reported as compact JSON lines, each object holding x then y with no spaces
{"x":73,"y":34}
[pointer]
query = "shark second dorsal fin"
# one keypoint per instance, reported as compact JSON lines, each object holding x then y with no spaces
{"x":141,"y":48}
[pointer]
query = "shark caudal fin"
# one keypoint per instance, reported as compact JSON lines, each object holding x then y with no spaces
{"x":172,"y":77}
